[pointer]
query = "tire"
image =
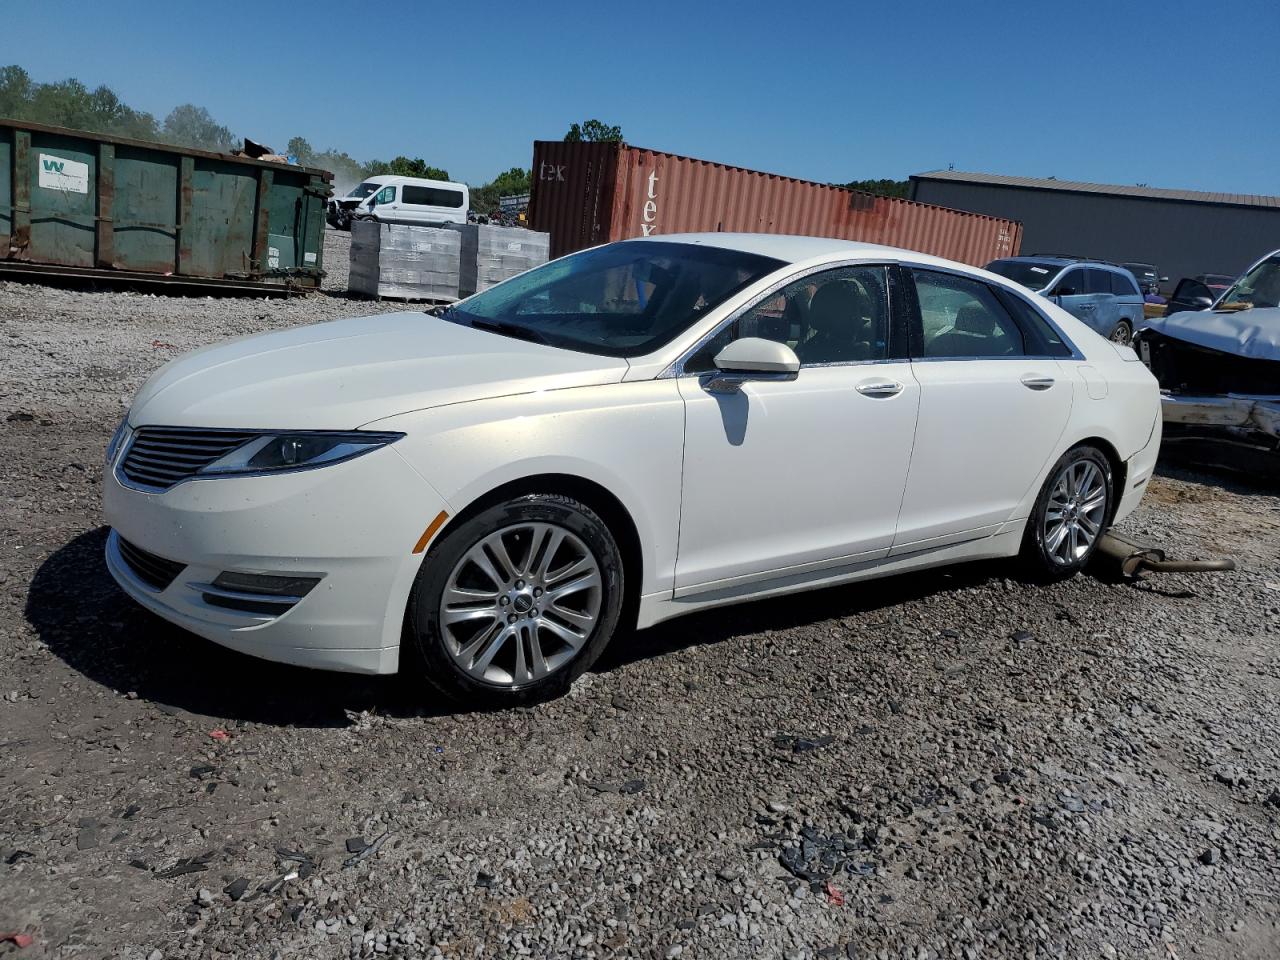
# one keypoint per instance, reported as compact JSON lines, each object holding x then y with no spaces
{"x":1048,"y":550}
{"x":1122,"y":334}
{"x":485,"y":642}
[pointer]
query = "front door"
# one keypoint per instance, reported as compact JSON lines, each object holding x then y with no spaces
{"x":786,"y":478}
{"x":993,"y":404}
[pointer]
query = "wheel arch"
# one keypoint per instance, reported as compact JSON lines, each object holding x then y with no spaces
{"x":1118,"y":468}
{"x":599,"y":498}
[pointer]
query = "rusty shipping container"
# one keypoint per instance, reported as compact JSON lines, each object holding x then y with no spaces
{"x":85,"y":205}
{"x":589,"y":193}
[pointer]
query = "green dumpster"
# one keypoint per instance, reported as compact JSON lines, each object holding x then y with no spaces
{"x":82,"y":204}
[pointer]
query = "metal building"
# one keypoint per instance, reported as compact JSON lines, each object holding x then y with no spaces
{"x":1183,"y":232}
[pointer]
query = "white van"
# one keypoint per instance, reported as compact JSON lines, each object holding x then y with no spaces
{"x":411,"y":200}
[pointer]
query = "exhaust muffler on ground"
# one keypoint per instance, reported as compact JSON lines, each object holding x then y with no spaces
{"x":1132,"y":560}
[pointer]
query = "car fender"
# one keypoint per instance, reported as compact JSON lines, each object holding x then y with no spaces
{"x":627,"y":438}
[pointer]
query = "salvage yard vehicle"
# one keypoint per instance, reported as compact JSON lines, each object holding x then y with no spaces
{"x":1103,"y":295}
{"x":487,"y":493}
{"x":417,"y":201}
{"x":1147,"y":275}
{"x":395,"y":199}
{"x":1197,"y":293}
{"x":1219,"y":369}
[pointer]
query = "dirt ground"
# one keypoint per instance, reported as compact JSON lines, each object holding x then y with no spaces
{"x":948,"y":764}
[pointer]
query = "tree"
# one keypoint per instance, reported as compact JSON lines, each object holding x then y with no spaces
{"x":593,"y":131}
{"x":882,"y":188}
{"x":15,"y":92}
{"x":300,"y":148}
{"x":191,"y":126}
{"x":404,"y":167}
{"x":511,"y":183}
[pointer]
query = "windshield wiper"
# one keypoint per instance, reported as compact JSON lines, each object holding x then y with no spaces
{"x":509,"y":329}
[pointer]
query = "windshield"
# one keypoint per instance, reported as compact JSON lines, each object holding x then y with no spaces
{"x":621,"y":300}
{"x":1143,"y":271}
{"x":1032,"y":275}
{"x":1260,"y":287}
{"x":363,"y":190}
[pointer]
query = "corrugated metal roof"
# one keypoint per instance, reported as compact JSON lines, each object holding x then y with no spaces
{"x":1118,"y":190}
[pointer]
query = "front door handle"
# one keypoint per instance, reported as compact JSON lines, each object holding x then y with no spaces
{"x":1088,"y":306}
{"x":879,"y":388}
{"x":1033,"y":382}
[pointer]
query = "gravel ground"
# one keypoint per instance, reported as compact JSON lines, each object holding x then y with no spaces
{"x":949,"y":764}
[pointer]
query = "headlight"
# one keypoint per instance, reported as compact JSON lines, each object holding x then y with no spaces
{"x":113,"y":445}
{"x":295,"y":451}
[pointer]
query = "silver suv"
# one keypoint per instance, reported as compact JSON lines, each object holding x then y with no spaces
{"x":1103,"y":295}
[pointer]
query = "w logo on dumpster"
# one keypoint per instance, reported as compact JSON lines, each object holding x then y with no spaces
{"x":63,"y":175}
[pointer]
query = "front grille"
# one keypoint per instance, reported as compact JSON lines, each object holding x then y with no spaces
{"x":159,"y":457}
{"x":152,"y":570}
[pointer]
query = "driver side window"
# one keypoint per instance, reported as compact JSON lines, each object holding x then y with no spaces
{"x":835,"y":317}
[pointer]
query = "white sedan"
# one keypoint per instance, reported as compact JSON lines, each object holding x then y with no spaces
{"x":489,"y":492}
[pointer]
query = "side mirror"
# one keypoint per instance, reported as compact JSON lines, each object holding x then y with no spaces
{"x":1065,"y":292}
{"x":1201,"y":303}
{"x":752,"y":358}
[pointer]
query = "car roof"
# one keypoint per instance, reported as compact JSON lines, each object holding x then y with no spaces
{"x":792,"y":249}
{"x":1067,"y":261}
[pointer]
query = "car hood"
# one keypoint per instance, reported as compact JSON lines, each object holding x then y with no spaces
{"x":347,"y":373}
{"x":1245,"y":333}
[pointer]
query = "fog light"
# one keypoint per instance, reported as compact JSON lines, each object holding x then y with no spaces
{"x":266,"y":585}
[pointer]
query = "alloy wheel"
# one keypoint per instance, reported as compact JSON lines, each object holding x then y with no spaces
{"x":1075,"y":512}
{"x":521,"y":604}
{"x":1122,"y":334}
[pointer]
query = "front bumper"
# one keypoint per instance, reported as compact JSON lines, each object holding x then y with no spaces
{"x":353,"y":525}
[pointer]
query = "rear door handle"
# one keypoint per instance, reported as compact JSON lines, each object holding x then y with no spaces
{"x":1032,"y":382}
{"x":879,"y":388}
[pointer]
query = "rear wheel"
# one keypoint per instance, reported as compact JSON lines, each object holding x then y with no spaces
{"x":517,"y":602}
{"x":1070,"y":514}
{"x":1122,"y":333}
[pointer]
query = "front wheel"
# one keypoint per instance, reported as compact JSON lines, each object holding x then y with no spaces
{"x":1070,"y":514}
{"x":515,"y":603}
{"x":1122,"y":334}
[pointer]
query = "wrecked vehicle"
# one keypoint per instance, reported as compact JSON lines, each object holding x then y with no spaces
{"x":341,"y":208}
{"x":1219,"y":373}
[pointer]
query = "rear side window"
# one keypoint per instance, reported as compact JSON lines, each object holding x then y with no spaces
{"x":1097,"y":281}
{"x":432,"y":197}
{"x":1042,"y":339}
{"x":964,"y":318}
{"x":1123,"y":286}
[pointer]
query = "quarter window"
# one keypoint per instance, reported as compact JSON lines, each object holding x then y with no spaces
{"x":837,"y":316}
{"x":1122,"y":286}
{"x":1041,"y":338}
{"x":963,"y":318}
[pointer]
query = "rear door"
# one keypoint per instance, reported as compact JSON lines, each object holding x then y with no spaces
{"x":993,"y":405}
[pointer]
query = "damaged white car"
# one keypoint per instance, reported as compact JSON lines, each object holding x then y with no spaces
{"x":1219,"y":370}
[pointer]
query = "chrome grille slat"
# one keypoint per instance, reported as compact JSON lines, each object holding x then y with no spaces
{"x":159,"y":457}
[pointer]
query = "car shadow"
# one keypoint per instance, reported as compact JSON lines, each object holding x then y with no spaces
{"x":797,"y":610}
{"x":87,"y":621}
{"x":96,"y":629}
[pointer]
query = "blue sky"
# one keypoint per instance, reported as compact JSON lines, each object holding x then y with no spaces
{"x":1169,"y":94}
